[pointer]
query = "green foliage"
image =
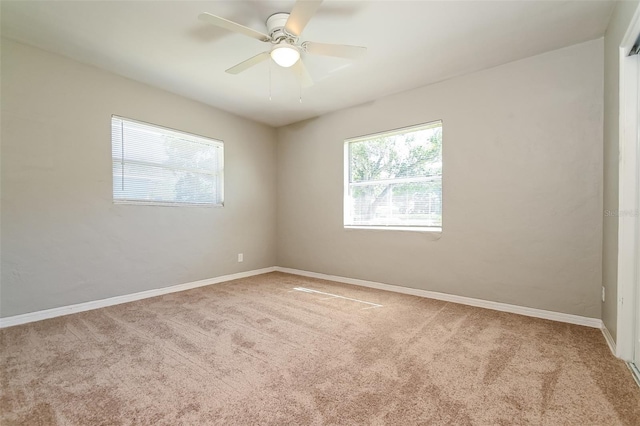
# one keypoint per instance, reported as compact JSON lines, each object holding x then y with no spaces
{"x":396,"y":157}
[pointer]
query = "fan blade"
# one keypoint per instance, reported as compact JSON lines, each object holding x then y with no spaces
{"x":232,"y":26}
{"x":300,"y":15}
{"x":245,"y":65}
{"x":338,"y":50}
{"x":302,"y":73}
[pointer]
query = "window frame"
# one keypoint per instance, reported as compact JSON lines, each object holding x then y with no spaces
{"x":347,"y":178}
{"x":180,"y":134}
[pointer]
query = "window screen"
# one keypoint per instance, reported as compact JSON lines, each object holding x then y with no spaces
{"x":156,"y":165}
{"x":394,"y":179}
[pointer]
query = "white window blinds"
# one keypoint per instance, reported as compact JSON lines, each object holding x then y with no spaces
{"x":394,"y":179}
{"x":156,"y":165}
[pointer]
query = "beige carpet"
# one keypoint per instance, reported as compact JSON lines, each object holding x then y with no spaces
{"x":257,"y":351}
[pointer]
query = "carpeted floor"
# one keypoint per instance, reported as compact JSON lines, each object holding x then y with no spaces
{"x":260,"y":351}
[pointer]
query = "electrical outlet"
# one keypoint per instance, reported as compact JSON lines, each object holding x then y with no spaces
{"x":603,"y":293}
{"x":240,"y":257}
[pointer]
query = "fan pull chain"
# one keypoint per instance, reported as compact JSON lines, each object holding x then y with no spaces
{"x":300,"y":90}
{"x":269,"y":79}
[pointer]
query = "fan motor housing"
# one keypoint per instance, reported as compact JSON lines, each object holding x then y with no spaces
{"x":275,"y":26}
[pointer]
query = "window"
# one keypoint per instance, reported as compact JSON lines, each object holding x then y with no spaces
{"x":393,"y":180}
{"x":160,"y":166}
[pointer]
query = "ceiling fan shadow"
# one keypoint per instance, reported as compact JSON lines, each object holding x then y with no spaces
{"x":340,"y":10}
{"x":206,"y":33}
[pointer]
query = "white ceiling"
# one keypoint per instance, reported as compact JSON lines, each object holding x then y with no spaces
{"x":410,"y":44}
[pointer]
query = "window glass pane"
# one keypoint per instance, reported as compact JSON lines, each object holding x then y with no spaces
{"x":415,"y":153}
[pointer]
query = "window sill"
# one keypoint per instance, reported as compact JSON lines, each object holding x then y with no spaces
{"x":431,"y":230}
{"x":151,"y":203}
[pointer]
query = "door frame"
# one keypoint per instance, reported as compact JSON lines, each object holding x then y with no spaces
{"x":628,"y":220}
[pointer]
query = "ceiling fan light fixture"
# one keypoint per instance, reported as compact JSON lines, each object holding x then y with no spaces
{"x":285,"y":55}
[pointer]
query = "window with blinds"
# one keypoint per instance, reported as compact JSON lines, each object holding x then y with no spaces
{"x":393,"y":180}
{"x":159,"y":166}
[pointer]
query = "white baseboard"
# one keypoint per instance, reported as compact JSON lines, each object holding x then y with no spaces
{"x":496,"y":306}
{"x":609,"y":339}
{"x":95,"y":304}
{"x":504,"y":307}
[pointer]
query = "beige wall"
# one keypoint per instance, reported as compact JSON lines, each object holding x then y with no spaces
{"x":616,"y":29}
{"x":522,"y":214}
{"x":63,"y":240}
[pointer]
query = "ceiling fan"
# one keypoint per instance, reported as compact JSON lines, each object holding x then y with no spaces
{"x":283,"y":33}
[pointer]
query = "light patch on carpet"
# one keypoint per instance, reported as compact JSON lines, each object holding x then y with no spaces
{"x":336,"y":296}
